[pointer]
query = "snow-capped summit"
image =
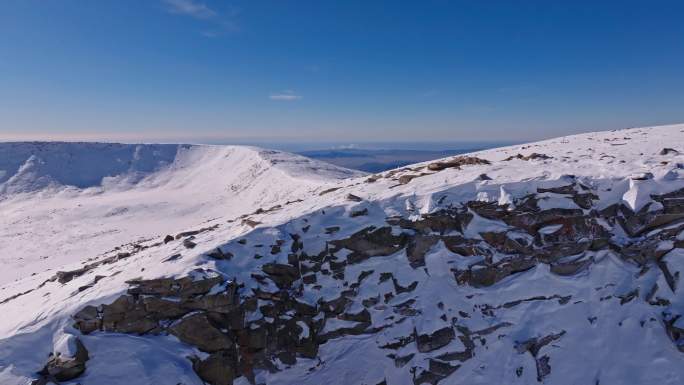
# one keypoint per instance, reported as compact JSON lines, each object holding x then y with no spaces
{"x":553,"y":262}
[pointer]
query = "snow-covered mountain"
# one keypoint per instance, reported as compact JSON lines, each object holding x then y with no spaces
{"x":66,"y":202}
{"x":554,"y":262}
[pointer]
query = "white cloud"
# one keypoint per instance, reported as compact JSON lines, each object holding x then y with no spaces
{"x":287,"y":96}
{"x":190,"y":8}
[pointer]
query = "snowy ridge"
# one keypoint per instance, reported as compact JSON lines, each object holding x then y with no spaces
{"x":555,"y":262}
{"x":30,"y":166}
{"x":66,"y":202}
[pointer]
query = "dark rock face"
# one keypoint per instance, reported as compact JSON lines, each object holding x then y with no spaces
{"x":197,"y":330}
{"x":217,"y":369}
{"x":60,"y":368}
{"x":489,"y":274}
{"x":371,"y":242}
{"x":440,"y":338}
{"x":282,"y":275}
{"x":215,"y":323}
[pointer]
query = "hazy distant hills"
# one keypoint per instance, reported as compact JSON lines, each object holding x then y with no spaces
{"x":376,"y":160}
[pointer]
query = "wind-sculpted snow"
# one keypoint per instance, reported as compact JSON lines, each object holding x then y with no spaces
{"x":27,"y":167}
{"x":556,"y":262}
{"x":32,"y":166}
{"x":64,"y":202}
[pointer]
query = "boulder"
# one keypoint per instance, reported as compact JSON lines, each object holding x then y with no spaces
{"x":196,"y":330}
{"x":59,"y":368}
{"x":219,"y":368}
{"x":457,"y":163}
{"x":440,"y":338}
{"x":371,"y":242}
{"x":283,"y":275}
{"x":189,"y":244}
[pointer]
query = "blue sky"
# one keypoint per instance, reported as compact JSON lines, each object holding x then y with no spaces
{"x":341,"y":71}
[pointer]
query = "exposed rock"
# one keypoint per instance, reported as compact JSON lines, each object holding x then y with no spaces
{"x":282,"y":275}
{"x":418,"y":247}
{"x":543,"y":367}
{"x":327,"y":191}
{"x":332,"y":229}
{"x":406,"y":178}
{"x":675,"y":333}
{"x":169,"y":287}
{"x":358,"y":213}
{"x":66,"y":276}
{"x":532,"y":156}
{"x":371,"y":242}
{"x":195,"y":232}
{"x":457,"y":163}
{"x":198,"y":331}
{"x":440,"y":338}
{"x":441,"y":368}
{"x":354,"y":198}
{"x":60,"y":368}
{"x":437,"y":371}
{"x":487,"y":275}
{"x":443,"y":221}
{"x":265,"y":328}
{"x":533,"y":346}
{"x":250,"y":222}
{"x":217,"y":253}
{"x":218,"y":369}
{"x":87,"y":320}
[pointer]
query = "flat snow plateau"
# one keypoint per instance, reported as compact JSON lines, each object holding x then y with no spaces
{"x":80,"y":221}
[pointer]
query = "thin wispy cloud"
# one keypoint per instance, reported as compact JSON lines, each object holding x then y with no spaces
{"x":190,"y":8}
{"x":217,"y":23}
{"x":286,"y":96}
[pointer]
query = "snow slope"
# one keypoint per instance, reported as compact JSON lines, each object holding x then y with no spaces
{"x":65,"y":202}
{"x":587,"y":296}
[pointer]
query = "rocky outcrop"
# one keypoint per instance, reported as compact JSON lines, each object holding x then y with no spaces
{"x":532,"y":156}
{"x":533,"y":346}
{"x":457,"y":163}
{"x":59,"y":368}
{"x":438,"y":339}
{"x":288,"y":314}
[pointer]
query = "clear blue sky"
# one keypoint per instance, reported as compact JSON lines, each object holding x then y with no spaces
{"x":319,"y":70}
